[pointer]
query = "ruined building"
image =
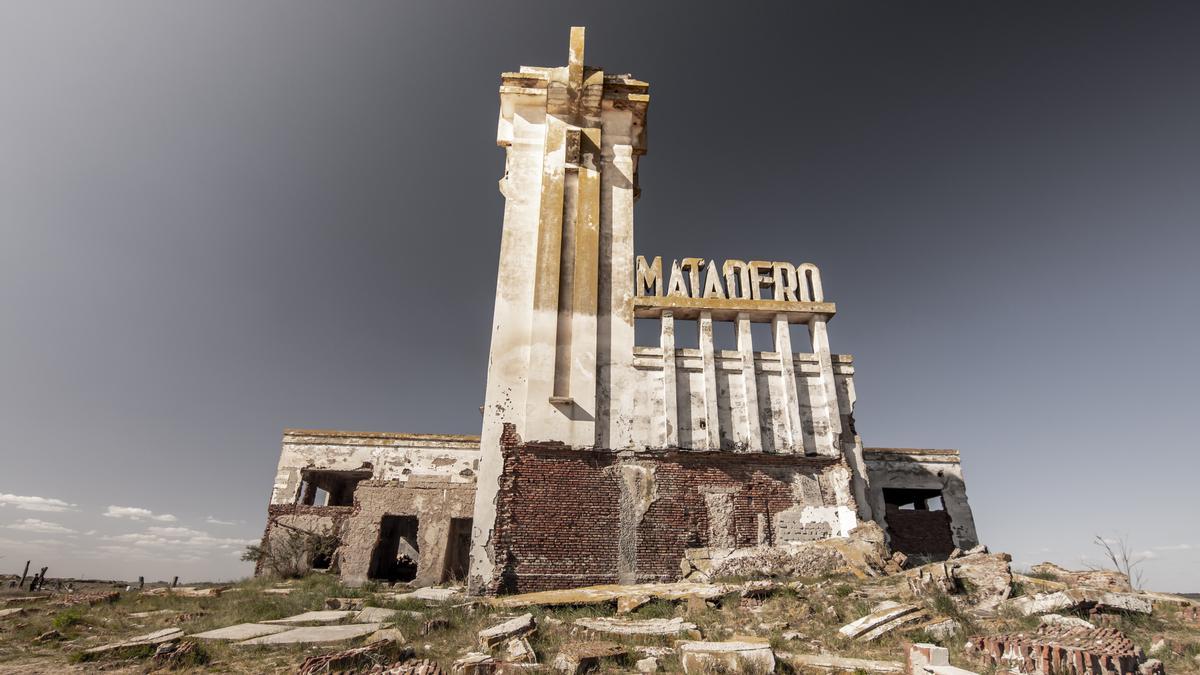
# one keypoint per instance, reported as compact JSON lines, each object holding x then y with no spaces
{"x":601,"y":459}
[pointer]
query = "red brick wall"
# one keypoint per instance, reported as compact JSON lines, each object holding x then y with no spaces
{"x":559,"y":510}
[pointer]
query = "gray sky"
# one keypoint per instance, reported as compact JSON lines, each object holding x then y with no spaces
{"x":220,"y":219}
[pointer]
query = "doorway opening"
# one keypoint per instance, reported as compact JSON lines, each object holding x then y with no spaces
{"x":395,"y":555}
{"x":458,"y":550}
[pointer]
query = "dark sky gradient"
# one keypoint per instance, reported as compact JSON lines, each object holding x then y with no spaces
{"x":220,"y":219}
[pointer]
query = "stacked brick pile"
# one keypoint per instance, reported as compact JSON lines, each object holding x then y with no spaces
{"x":1057,"y":649}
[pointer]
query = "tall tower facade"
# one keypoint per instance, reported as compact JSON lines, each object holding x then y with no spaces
{"x":672,"y":432}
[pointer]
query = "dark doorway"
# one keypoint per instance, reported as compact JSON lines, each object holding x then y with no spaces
{"x":458,"y":550}
{"x":917,"y":522}
{"x":395,"y":555}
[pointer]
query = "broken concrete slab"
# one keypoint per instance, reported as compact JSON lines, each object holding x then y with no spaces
{"x":473,"y":663}
{"x":878,"y":623}
{"x":927,"y":659}
{"x":593,"y":595}
{"x":614,"y":626}
{"x":734,"y":656}
{"x":582,"y":657}
{"x":13,"y":611}
{"x":518,"y":650}
{"x":840,"y":663}
{"x":147,"y":615}
{"x":1065,"y":621}
{"x":386,"y":635}
{"x":315,"y":634}
{"x":319,"y":616}
{"x":157,"y":637}
{"x":375,"y":615}
{"x":241,"y":631}
{"x":514,"y":627}
{"x":646,"y":665}
{"x":187,"y":591}
{"x":429,"y":595}
{"x":1081,"y":599}
{"x":1105,"y":580}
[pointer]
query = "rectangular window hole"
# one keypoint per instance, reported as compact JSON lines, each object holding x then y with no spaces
{"x":687,"y":334}
{"x":724,"y":335}
{"x":647,"y":332}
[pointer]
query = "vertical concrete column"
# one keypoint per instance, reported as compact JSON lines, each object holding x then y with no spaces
{"x":827,"y":420}
{"x":745,"y":344}
{"x":585,"y":300}
{"x":506,"y":392}
{"x":614,"y":348}
{"x":542,"y":419}
{"x":793,"y":431}
{"x":712,"y":423}
{"x":670,"y":399}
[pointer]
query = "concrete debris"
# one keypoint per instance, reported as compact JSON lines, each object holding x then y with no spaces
{"x":428,"y":595}
{"x":433,"y":625}
{"x":515,"y":627}
{"x":877,"y":624}
{"x":375,"y":615}
{"x":863,"y":554}
{"x":518,"y":650}
{"x":315,"y":634}
{"x":734,"y":656}
{"x":344,"y":603}
{"x":1152,"y":667}
{"x":358,"y":659}
{"x":320,"y":616}
{"x":1081,"y":599}
{"x":646,"y":665}
{"x":473,"y":663}
{"x":988,"y":576}
{"x":1059,"y":649}
{"x":839,"y":664}
{"x":147,"y":615}
{"x":1105,"y":580}
{"x":1065,"y":621}
{"x":581,"y":657}
{"x":610,"y":593}
{"x":386,"y":635}
{"x":241,"y":631}
{"x":628,"y":603}
{"x":931,"y":659}
{"x":172,"y":655}
{"x":49,"y":636}
{"x":24,"y":598}
{"x":281,"y":591}
{"x":90,"y":599}
{"x":675,"y":626}
{"x":941,"y":629}
{"x":13,"y":611}
{"x":157,"y":637}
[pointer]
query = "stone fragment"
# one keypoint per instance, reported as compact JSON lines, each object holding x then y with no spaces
{"x":13,"y":611}
{"x":615,"y":626}
{"x":1079,"y":599}
{"x":344,"y":603}
{"x":882,"y":622}
{"x":278,"y":591}
{"x":609,"y":593}
{"x":157,"y":637}
{"x":628,"y":603}
{"x":646,"y":665}
{"x":840,"y":664}
{"x":581,"y":657}
{"x":1065,"y":621}
{"x":429,"y":595}
{"x":518,"y":650}
{"x":473,"y":663}
{"x":1152,"y":667}
{"x":320,"y":616}
{"x":241,"y":631}
{"x":146,"y":615}
{"x":314,"y":634}
{"x":1105,"y":580}
{"x":734,"y":656}
{"x":48,"y":636}
{"x":386,"y":635}
{"x":375,"y":615}
{"x":941,"y":629}
{"x":514,"y":627}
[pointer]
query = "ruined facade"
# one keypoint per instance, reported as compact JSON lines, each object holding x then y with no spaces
{"x":602,"y":460}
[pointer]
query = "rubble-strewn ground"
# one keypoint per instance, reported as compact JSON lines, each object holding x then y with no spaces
{"x":793,"y":616}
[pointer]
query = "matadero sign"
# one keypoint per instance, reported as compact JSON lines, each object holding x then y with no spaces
{"x":759,"y":288}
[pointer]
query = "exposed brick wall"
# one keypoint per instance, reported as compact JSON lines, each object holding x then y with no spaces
{"x":559,"y":510}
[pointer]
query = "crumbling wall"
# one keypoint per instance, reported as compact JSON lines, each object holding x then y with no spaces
{"x":388,"y":456}
{"x":577,"y":517}
{"x":920,"y":469}
{"x":285,"y":518}
{"x":434,"y":502}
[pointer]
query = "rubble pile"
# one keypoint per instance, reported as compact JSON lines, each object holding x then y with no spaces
{"x":864,"y":554}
